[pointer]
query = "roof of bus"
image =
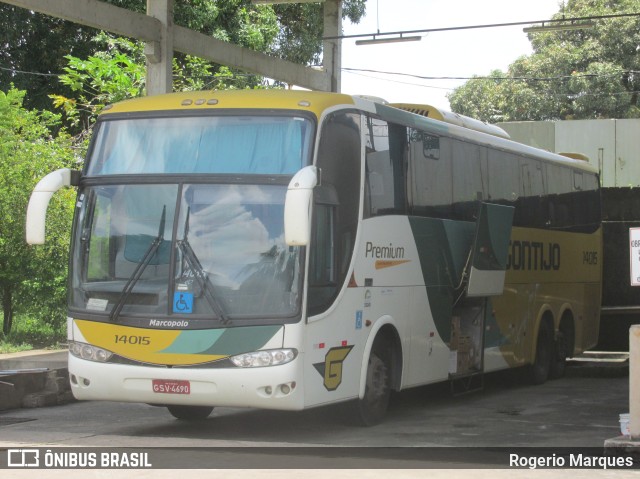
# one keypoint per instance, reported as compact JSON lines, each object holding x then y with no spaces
{"x":312,"y":101}
{"x":447,"y":128}
{"x":316,"y":103}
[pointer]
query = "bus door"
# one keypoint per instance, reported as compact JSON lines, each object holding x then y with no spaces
{"x":483,"y":277}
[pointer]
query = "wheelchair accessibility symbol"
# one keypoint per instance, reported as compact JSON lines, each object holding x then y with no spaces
{"x":183,"y":303}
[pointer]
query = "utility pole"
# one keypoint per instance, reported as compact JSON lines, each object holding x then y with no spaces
{"x":159,"y":53}
{"x":332,"y":49}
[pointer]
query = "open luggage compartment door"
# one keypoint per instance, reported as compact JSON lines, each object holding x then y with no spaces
{"x":490,"y":250}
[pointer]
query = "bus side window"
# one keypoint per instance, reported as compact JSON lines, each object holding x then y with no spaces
{"x":469,"y":179}
{"x":503,"y":178}
{"x":430,"y":174}
{"x":573,"y":198}
{"x":532,"y":172}
{"x":560,"y":198}
{"x":385,"y":168}
{"x":322,"y":270}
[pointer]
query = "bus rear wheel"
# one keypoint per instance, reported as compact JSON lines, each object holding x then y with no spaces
{"x":544,"y":354}
{"x":190,"y":413}
{"x":563,"y":348}
{"x":372,"y":408}
{"x":559,"y":360}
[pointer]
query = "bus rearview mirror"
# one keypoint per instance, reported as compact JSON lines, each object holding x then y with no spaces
{"x":297,"y":206}
{"x":39,"y":201}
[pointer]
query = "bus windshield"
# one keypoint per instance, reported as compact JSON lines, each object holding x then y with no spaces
{"x":221,"y":255}
{"x":200,"y":145}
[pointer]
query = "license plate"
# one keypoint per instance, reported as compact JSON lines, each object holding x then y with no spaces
{"x":167,"y":386}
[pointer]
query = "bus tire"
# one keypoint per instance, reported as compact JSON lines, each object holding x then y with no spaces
{"x":372,"y":408}
{"x":190,"y":413}
{"x":544,"y":354}
{"x":559,"y":359}
{"x":563,"y":348}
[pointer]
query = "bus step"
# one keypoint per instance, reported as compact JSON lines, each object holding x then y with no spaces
{"x":466,"y":383}
{"x":612,"y":357}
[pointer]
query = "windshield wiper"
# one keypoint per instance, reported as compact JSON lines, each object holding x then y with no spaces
{"x":198,"y":271}
{"x":142,"y":265}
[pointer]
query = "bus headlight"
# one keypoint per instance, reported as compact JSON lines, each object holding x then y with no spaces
{"x":88,"y":352}
{"x":259,"y":359}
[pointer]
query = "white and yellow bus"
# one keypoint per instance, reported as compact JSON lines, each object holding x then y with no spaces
{"x":292,"y":249}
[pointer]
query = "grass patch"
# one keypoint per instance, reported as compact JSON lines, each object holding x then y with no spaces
{"x":31,"y":333}
{"x":8,"y":347}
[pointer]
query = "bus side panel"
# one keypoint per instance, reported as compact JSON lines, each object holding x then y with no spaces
{"x":333,"y":351}
{"x":405,"y":272}
{"x":386,"y":286}
{"x":336,"y":340}
{"x":507,"y":342}
{"x":555,"y":272}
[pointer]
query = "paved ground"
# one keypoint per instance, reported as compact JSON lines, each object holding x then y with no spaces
{"x":579,"y":410}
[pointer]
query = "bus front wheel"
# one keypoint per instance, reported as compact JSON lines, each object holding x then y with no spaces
{"x":372,"y":408}
{"x":190,"y":413}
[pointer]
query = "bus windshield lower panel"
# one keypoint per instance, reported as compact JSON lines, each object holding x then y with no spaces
{"x":188,"y":250}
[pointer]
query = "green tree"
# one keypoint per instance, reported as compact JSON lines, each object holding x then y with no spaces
{"x":580,"y":74}
{"x":301,"y":29}
{"x":35,"y":46}
{"x":28,"y":151}
{"x":33,"y":50}
{"x":113,"y":74}
{"x":117,"y":72}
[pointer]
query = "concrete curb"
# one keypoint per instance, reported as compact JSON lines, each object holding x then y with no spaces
{"x":35,"y":389}
{"x":624,"y":446}
{"x":31,"y":379}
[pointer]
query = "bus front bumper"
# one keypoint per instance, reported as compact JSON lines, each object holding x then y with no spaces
{"x":275,"y":387}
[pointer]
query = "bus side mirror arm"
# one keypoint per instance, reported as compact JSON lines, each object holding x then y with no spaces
{"x":39,"y":201}
{"x":297,"y":206}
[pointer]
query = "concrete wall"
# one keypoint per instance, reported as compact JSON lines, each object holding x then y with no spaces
{"x":540,"y":134}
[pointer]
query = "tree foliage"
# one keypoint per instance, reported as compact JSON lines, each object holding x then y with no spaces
{"x":35,"y":47}
{"x":28,"y":151}
{"x":578,"y":74}
{"x":117,"y":72}
{"x":301,"y":28}
{"x":33,"y":50}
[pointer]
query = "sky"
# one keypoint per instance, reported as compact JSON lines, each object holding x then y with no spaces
{"x":439,"y":54}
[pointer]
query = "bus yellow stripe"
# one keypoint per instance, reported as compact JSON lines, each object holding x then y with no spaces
{"x":144,"y":345}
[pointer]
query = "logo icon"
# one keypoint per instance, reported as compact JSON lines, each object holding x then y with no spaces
{"x":23,"y":458}
{"x":183,"y":302}
{"x":331,"y":369}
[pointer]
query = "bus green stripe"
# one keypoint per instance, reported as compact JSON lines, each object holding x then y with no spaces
{"x":443,"y":247}
{"x":222,"y":342}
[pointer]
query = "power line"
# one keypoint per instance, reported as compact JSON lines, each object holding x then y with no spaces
{"x":197,"y":77}
{"x":502,"y":78}
{"x":475,"y":27}
{"x":357,"y":71}
{"x":13,"y":70}
{"x":354,"y":71}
